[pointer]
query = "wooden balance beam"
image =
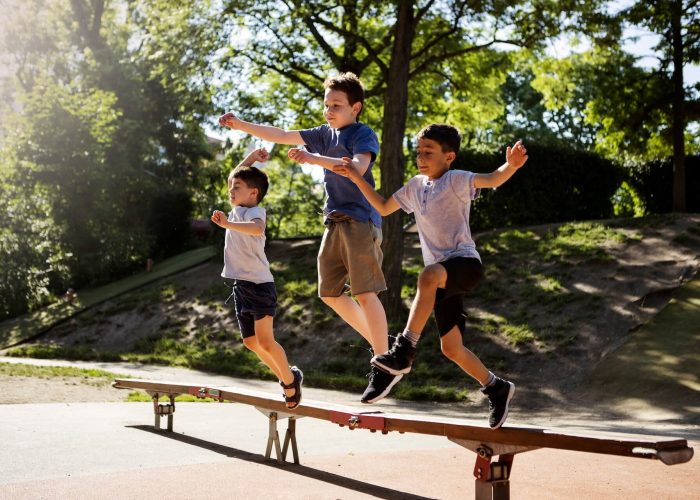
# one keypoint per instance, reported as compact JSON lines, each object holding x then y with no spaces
{"x":492,"y":478}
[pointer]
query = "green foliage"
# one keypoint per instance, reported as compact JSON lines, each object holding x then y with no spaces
{"x":102,"y":134}
{"x":293,"y":203}
{"x":627,"y":202}
{"x":557,"y":184}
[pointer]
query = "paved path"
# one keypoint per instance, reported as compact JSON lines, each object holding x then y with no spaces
{"x":109,"y":450}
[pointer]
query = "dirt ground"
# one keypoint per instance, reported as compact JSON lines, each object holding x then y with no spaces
{"x":23,"y":390}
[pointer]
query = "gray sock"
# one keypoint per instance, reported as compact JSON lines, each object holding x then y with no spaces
{"x":411,"y":336}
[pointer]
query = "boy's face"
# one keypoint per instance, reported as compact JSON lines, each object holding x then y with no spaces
{"x":431,"y":160}
{"x":240,"y":194}
{"x":337,"y":109}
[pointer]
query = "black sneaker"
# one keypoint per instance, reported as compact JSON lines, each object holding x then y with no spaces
{"x":499,"y":393}
{"x":380,"y":383}
{"x":398,"y":359}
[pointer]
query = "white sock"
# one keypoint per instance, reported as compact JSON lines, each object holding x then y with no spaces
{"x":411,"y":336}
{"x":491,"y":380}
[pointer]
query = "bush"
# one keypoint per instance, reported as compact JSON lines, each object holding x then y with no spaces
{"x":654,"y":183}
{"x":557,"y":184}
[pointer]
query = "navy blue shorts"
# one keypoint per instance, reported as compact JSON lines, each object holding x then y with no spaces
{"x":463,"y":275}
{"x":253,"y":301}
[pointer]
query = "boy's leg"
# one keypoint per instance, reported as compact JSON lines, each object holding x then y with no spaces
{"x":350,"y":312}
{"x":431,"y":278}
{"x":498,"y":391}
{"x":399,"y":358}
{"x":352,"y":249}
{"x":272,"y":351}
{"x":453,"y":348}
{"x":375,"y":318}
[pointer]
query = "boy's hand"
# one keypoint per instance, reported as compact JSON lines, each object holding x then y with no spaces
{"x":259,"y":154}
{"x":517,"y":155}
{"x":228,"y":120}
{"x":346,"y":169}
{"x":299,"y":155}
{"x":218,"y":218}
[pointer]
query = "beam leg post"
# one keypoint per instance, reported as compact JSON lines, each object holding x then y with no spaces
{"x":273,"y":438}
{"x":492,"y":479}
{"x":291,"y":437}
{"x":156,"y":423}
{"x":159,"y":410}
{"x":170,"y":414}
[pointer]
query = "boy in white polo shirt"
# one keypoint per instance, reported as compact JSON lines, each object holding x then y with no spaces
{"x":441,"y":198}
{"x":247,"y":271}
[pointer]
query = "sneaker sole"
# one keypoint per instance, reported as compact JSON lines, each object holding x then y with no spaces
{"x":386,"y":391}
{"x":511,"y":393}
{"x":389,"y":369}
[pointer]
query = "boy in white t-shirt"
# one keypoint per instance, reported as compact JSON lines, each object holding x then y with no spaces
{"x":440,"y":199}
{"x":247,"y":271}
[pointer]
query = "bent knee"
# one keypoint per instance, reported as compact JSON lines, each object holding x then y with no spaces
{"x":433,"y":275}
{"x":450,"y":350}
{"x":265,"y":343}
{"x":251,"y":343}
{"x":330,"y":301}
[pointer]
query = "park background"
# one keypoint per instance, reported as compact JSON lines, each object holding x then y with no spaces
{"x":111,"y":157}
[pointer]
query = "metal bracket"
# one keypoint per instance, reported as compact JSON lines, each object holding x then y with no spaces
{"x":273,"y":436}
{"x":369,"y":420}
{"x":492,"y":479}
{"x":160,"y":409}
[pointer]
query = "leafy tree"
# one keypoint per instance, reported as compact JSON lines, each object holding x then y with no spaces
{"x":411,"y":55}
{"x":678,"y":24}
{"x":100,"y":122}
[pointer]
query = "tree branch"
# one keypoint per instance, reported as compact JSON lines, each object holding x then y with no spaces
{"x":288,"y":74}
{"x":371,"y":52}
{"x":449,"y":55}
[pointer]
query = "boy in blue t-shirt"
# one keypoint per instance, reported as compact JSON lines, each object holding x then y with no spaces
{"x":350,"y":247}
{"x":440,"y":199}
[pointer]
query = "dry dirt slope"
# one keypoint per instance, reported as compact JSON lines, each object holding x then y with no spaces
{"x":550,"y":310}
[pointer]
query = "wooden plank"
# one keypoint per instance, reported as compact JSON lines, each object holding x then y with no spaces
{"x":669,"y":449}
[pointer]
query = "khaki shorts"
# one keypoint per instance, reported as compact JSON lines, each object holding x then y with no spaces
{"x":350,"y":249}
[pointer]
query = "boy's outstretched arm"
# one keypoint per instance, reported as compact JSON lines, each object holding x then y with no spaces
{"x":264,"y":132}
{"x":261,"y":155}
{"x":515,"y":158}
{"x":255,"y":227}
{"x":347,"y":169}
{"x":360,"y":161}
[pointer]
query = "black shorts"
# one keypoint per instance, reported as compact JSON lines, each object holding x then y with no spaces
{"x":253,"y":301}
{"x":463,"y":275}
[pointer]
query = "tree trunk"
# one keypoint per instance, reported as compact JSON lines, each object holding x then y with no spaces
{"x":678,"y":126}
{"x":392,"y":157}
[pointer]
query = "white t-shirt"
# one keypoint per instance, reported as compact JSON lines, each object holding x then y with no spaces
{"x":244,"y":254}
{"x":441,"y":208}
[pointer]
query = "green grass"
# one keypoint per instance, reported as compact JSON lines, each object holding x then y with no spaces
{"x":142,"y":397}
{"x":27,"y":326}
{"x":94,"y":376}
{"x":659,"y":363}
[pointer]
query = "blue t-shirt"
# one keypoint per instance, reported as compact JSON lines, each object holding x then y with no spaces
{"x":342,"y":194}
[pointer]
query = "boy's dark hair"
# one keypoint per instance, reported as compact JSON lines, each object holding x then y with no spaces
{"x":447,"y":136}
{"x":254,"y":178}
{"x":348,"y":83}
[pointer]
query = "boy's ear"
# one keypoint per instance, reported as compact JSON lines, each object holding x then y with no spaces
{"x":450,"y":156}
{"x":356,"y":108}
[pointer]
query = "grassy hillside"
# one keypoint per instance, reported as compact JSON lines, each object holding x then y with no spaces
{"x":556,"y":300}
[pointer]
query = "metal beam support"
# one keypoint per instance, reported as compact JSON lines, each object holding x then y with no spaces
{"x":290,"y":437}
